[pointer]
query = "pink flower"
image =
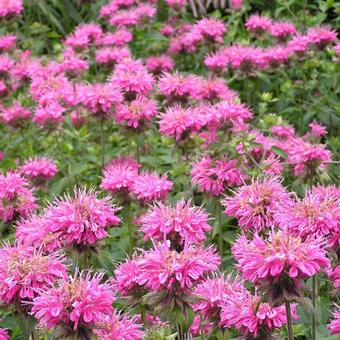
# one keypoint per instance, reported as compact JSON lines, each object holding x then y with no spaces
{"x":118,"y":327}
{"x":39,"y":169}
{"x":176,"y":4}
{"x":3,"y":334}
{"x":112,"y":55}
{"x":124,"y":18}
{"x":282,"y":30}
{"x":215,"y":89}
{"x":77,"y":302}
{"x":164,"y":269}
{"x":281,"y":254}
{"x":132,"y":77}
{"x":10,"y":8}
{"x":120,"y":174}
{"x":283,"y":131}
{"x":6,"y":63}
{"x":321,"y":36}
{"x":299,"y":44}
{"x":149,"y":187}
{"x":119,"y":38}
{"x":14,"y":115}
{"x":81,"y":219}
{"x":180,"y":224}
{"x":313,"y":215}
{"x":7,"y":42}
{"x":236,"y":4}
{"x":100,"y":99}
{"x":211,"y":29}
{"x":252,"y":317}
{"x":136,"y":113}
{"x":217,"y":61}
{"x":126,"y":276}
{"x":159,"y":64}
{"x":334,"y":275}
{"x":24,"y":271}
{"x":334,"y":325}
{"x":213,"y":292}
{"x":258,"y":24}
{"x":254,"y":205}
{"x":34,"y":231}
{"x":179,"y":122}
{"x":16,"y":198}
{"x":84,"y":35}
{"x":49,"y":112}
{"x":317,"y":130}
{"x":308,"y":159}
{"x":214,"y":176}
{"x":176,"y":86}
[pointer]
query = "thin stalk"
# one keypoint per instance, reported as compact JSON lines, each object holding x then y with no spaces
{"x":102,"y":139}
{"x":289,"y":321}
{"x":220,"y":228}
{"x":314,"y":293}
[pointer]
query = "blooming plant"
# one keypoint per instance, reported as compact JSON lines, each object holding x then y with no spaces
{"x":169,"y":170}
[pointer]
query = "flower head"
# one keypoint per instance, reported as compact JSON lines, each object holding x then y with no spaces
{"x":14,"y":115}
{"x":39,"y":169}
{"x":258,"y":24}
{"x":24,"y":271}
{"x":182,"y":223}
{"x":254,"y":205}
{"x":82,"y":219}
{"x":334,"y":325}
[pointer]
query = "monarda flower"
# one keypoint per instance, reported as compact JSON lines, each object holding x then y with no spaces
{"x":254,"y":205}
{"x":24,"y":271}
{"x":180,"y":224}
{"x":3,"y":334}
{"x":14,"y":115}
{"x":282,"y":30}
{"x":119,"y":175}
{"x":34,"y":231}
{"x":120,"y":327}
{"x":119,"y":38}
{"x":148,"y":187}
{"x":334,"y":325}
{"x":317,"y":130}
{"x":279,"y":262}
{"x":16,"y":198}
{"x":7,"y":42}
{"x":82,"y":219}
{"x":211,"y":29}
{"x":159,"y":64}
{"x":75,"y":305}
{"x":137,"y":113}
{"x":334,"y":275}
{"x":212,"y":294}
{"x":251,"y":317}
{"x":179,"y":122}
{"x":258,"y":24}
{"x":111,"y":55}
{"x":39,"y":169}
{"x":101,"y":99}
{"x":314,"y":215}
{"x":49,"y":112}
{"x":321,"y":36}
{"x":308,"y":160}
{"x":215,"y":89}
{"x":164,"y":269}
{"x":214,"y":176}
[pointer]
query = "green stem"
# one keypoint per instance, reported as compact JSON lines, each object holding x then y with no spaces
{"x":102,"y":140}
{"x":220,"y":228}
{"x":289,"y":321}
{"x":314,"y":293}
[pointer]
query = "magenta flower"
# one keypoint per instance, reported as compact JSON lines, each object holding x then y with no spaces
{"x":317,"y":130}
{"x":112,"y":55}
{"x":179,"y":122}
{"x":119,"y":38}
{"x":282,"y":30}
{"x":82,"y":219}
{"x":164,"y":269}
{"x":214,"y":176}
{"x":213,"y":292}
{"x":119,"y":175}
{"x":180,"y":224}
{"x":283,"y":131}
{"x":321,"y":36}
{"x":137,"y":113}
{"x":101,"y":99}
{"x":3,"y":334}
{"x":149,"y":187}
{"x":254,"y":205}
{"x":215,"y":89}
{"x":16,"y":198}
{"x":258,"y":24}
{"x":7,"y":42}
{"x":39,"y":169}
{"x":313,"y":215}
{"x":159,"y":64}
{"x":24,"y":271}
{"x":75,"y":303}
{"x":251,"y":317}
{"x":35,"y":231}
{"x":14,"y":115}
{"x":334,"y":275}
{"x":118,"y":327}
{"x":281,"y":255}
{"x":211,"y":29}
{"x":334,"y":325}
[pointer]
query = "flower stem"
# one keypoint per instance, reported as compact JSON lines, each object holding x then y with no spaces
{"x":220,"y":228}
{"x":102,"y":141}
{"x":314,"y":292}
{"x":289,"y":321}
